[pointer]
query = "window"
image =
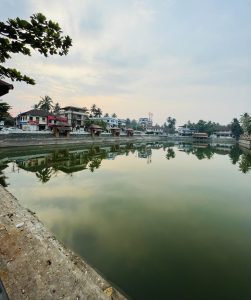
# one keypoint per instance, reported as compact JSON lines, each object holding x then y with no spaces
{"x":37,"y":119}
{"x":31,"y":118}
{"x":43,"y":119}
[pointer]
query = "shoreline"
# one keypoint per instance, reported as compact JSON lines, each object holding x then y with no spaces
{"x":21,"y":140}
{"x":35,"y":265}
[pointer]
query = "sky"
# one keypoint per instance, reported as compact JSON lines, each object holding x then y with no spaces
{"x":189,"y":60}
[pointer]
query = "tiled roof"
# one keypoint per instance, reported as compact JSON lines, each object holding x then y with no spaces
{"x":36,"y":112}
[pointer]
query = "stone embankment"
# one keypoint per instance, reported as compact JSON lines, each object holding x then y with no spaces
{"x":34,"y":265}
{"x":19,"y":140}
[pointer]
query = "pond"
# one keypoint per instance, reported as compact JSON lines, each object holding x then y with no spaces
{"x":160,"y":221}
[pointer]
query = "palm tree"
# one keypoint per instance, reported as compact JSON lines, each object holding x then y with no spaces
{"x":56,"y":108}
{"x":46,"y":103}
{"x":98,"y":112}
{"x":85,"y":109}
{"x":93,"y":109}
{"x":44,"y":175}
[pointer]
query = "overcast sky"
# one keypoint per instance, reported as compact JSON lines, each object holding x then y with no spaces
{"x":189,"y":59}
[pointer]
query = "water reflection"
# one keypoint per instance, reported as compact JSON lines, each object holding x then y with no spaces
{"x":161,"y":221}
{"x":45,"y":166}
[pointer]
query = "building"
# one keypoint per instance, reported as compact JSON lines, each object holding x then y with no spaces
{"x":154,"y":130}
{"x":76,"y":116}
{"x":34,"y":119}
{"x":38,"y":119}
{"x":222,"y":134}
{"x":111,"y":122}
{"x":145,"y":122}
{"x":121,"y":123}
{"x":185,"y":131}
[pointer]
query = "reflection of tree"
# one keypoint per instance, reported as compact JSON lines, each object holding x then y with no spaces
{"x":170,"y":153}
{"x":3,"y":177}
{"x":245,"y":163}
{"x":95,"y":164}
{"x":234,"y":154}
{"x":202,"y":153}
{"x":44,"y":175}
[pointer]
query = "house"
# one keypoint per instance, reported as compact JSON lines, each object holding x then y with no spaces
{"x":222,"y":134}
{"x":38,"y":119}
{"x":76,"y":116}
{"x":145,"y":122}
{"x":121,"y":123}
{"x":200,"y":136}
{"x":111,"y":122}
{"x":154,"y":130}
{"x":185,"y":131}
{"x":34,"y":119}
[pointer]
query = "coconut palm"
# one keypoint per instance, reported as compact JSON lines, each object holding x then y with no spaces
{"x":56,"y":108}
{"x":46,"y":103}
{"x":98,"y":112}
{"x":93,"y":109}
{"x":85,"y":109}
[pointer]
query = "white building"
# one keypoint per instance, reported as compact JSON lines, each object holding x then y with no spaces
{"x":145,"y":122}
{"x":76,"y":116}
{"x":111,"y":122}
{"x":184,"y":130}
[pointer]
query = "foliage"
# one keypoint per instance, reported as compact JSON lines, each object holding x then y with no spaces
{"x":170,"y":153}
{"x":207,"y":127}
{"x":95,"y":111}
{"x":106,"y":115}
{"x":98,"y":112}
{"x":235,"y":154}
{"x":4,"y":108}
{"x":246,"y":123}
{"x":245,"y":163}
{"x":2,"y":176}
{"x":85,"y":109}
{"x":89,"y":122}
{"x":56,"y":108}
{"x":114,"y":115}
{"x":236,"y":128}
{"x":169,"y":127}
{"x":44,"y":175}
{"x":20,"y":36}
{"x":46,"y":104}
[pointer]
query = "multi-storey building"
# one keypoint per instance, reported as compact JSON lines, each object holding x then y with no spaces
{"x":34,"y":119}
{"x":76,"y":116}
{"x":38,"y":119}
{"x":145,"y":122}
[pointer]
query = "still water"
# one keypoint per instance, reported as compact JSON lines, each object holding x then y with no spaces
{"x":160,"y":221}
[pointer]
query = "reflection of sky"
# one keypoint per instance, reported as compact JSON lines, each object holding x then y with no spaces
{"x":174,"y":227}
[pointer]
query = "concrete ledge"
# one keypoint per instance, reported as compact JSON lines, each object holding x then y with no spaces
{"x":40,"y":141}
{"x":34,"y":265}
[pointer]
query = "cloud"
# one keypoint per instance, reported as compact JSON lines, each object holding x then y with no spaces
{"x":137,"y":56}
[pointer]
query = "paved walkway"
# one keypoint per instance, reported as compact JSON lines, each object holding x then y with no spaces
{"x":34,"y":265}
